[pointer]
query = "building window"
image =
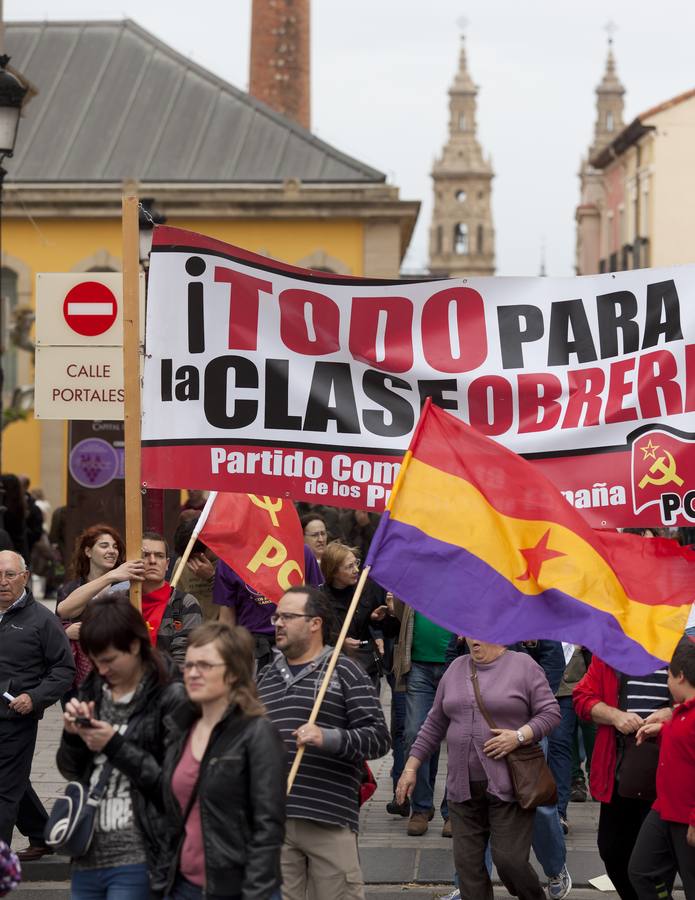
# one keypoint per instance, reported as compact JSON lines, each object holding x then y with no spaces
{"x":610,"y":124}
{"x":461,"y":196}
{"x":461,"y":239}
{"x":479,"y":240}
{"x":439,"y":239}
{"x":8,"y":301}
{"x":462,"y":122}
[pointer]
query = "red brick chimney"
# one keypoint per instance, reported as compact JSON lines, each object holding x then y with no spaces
{"x":280,"y":69}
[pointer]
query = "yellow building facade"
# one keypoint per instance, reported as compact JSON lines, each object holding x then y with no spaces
{"x":277,"y":191}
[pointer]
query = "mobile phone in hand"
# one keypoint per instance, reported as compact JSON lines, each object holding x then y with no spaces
{"x":84,"y":721}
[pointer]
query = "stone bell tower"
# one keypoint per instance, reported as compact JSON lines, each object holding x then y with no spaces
{"x":462,"y":236}
{"x":610,"y":102}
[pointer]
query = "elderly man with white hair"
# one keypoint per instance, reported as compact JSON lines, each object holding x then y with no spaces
{"x":36,"y":668}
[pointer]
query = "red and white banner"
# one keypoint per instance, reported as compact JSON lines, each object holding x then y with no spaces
{"x":264,"y":378}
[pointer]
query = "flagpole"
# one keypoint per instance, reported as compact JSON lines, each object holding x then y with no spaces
{"x":202,"y":519}
{"x":329,"y":671}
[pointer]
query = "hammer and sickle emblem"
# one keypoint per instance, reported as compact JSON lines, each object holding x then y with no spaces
{"x":667,"y":470}
{"x":269,"y":505}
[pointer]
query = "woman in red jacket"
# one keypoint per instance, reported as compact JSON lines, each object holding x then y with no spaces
{"x":666,"y":842}
{"x":620,"y":705}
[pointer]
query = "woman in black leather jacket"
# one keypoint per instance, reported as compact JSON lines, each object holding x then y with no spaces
{"x":130,"y":690}
{"x":224,"y":776}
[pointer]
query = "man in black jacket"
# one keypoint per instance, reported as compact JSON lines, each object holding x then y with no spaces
{"x":320,"y":850}
{"x":36,"y":669}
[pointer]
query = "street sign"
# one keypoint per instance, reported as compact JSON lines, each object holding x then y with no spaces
{"x":82,"y":309}
{"x":79,"y":345}
{"x":90,"y":308}
{"x":79,"y":383}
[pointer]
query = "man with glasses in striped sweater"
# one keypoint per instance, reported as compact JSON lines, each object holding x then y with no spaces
{"x":319,"y":857}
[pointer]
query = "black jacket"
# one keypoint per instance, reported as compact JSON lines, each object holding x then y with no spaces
{"x":35,"y":657}
{"x":138,"y":755}
{"x":361,"y":627}
{"x":241,"y":790}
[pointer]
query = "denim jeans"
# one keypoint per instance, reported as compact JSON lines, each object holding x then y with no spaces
{"x":421,"y":686}
{"x":397,"y":730}
{"x":560,"y":753}
{"x":548,"y":841}
{"x":114,"y":883}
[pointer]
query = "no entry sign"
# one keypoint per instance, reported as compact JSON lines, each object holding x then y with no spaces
{"x":90,"y":308}
{"x":79,"y":345}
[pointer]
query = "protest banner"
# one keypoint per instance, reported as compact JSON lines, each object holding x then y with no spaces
{"x":264,"y":378}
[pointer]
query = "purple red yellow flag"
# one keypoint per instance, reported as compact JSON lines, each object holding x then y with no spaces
{"x":477,"y":540}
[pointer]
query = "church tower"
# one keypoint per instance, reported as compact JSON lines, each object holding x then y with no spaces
{"x":609,"y":123}
{"x":462,"y":236}
{"x":609,"y":106}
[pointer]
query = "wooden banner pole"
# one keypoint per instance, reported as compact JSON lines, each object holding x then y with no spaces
{"x":131,"y":371}
{"x":202,"y":519}
{"x":329,"y":670}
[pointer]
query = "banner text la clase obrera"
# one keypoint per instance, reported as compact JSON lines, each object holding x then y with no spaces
{"x":267,"y":379}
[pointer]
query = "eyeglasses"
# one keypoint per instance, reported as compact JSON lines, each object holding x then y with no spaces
{"x":287,"y":617}
{"x":202,"y":666}
{"x":10,"y":576}
{"x":316,"y":534}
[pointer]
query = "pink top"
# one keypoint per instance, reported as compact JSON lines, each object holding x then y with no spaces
{"x":192,"y":862}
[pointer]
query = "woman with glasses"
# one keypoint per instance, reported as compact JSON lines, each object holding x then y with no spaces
{"x":117,"y":721}
{"x":225,"y":767}
{"x":364,"y":641}
{"x":315,"y":534}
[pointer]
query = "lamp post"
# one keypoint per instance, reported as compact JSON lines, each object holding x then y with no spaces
{"x":12,"y":94}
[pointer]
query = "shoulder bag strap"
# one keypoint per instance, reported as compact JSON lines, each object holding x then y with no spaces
{"x":478,"y":698}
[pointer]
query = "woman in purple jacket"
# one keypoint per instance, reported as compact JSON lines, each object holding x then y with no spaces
{"x":516,"y":694}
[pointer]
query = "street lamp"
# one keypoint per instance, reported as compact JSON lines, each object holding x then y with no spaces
{"x":148,"y":217}
{"x":12,"y":94}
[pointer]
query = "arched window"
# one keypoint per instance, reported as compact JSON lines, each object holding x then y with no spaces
{"x":461,"y":196}
{"x":8,"y":305}
{"x":610,"y":125}
{"x":462,"y":121}
{"x":461,"y":239}
{"x":479,"y":239}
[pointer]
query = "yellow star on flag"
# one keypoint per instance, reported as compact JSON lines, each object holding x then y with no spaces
{"x":649,"y":450}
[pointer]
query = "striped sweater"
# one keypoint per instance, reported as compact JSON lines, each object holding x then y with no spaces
{"x":326,"y":788}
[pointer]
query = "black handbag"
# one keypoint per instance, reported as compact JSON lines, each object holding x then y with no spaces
{"x":532,"y":780}
{"x":72,"y":821}
{"x":636,"y":769}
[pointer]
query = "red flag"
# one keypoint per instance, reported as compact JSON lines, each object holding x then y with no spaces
{"x":259,"y":537}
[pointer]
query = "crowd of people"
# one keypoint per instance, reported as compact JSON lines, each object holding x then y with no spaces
{"x":188,"y":716}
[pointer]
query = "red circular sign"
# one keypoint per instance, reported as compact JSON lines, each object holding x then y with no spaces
{"x":90,"y":308}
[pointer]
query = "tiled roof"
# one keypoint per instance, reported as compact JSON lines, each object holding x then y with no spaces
{"x":114,"y":102}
